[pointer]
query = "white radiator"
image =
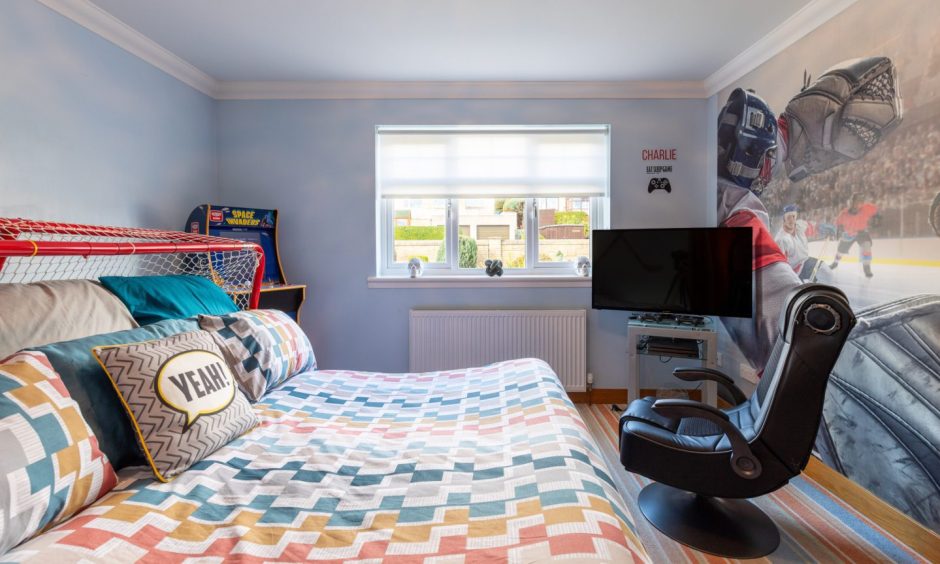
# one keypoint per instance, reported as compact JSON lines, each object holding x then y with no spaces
{"x":462,"y":338}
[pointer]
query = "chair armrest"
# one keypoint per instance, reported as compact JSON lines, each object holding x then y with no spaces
{"x":732,"y":395}
{"x":743,"y":461}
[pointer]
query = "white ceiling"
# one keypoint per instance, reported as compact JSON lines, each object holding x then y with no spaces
{"x":450,"y":40}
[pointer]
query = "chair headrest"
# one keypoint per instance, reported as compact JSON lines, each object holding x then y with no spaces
{"x":823,"y":320}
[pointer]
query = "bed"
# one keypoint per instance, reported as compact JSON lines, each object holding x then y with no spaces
{"x":488,"y":464}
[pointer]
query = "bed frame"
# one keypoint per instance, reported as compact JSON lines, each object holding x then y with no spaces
{"x":32,"y":251}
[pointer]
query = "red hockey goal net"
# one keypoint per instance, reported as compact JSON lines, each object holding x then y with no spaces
{"x":31,"y":251}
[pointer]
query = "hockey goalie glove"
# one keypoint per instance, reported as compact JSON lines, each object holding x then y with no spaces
{"x":845,"y":113}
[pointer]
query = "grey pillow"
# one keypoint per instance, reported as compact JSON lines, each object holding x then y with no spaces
{"x":182,"y":397}
{"x":40,"y":313}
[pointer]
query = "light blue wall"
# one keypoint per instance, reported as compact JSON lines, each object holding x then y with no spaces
{"x":91,"y":133}
{"x":314,"y":160}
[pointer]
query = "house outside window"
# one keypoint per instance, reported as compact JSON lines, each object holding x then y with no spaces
{"x":455,"y":196}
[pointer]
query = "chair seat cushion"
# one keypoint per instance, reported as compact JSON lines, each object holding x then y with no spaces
{"x":688,"y":432}
{"x":706,"y":443}
{"x":642,"y":410}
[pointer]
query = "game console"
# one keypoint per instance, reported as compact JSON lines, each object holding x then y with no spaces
{"x":676,"y":319}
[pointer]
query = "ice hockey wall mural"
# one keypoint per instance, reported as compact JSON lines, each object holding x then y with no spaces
{"x":830,"y":150}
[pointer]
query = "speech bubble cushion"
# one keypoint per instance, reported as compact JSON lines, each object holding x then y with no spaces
{"x":181,"y":397}
{"x":195,"y":383}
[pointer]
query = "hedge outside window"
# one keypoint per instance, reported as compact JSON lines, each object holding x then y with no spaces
{"x":456,"y":196}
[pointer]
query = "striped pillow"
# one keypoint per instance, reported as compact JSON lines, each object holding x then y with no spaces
{"x":264,"y":347}
{"x":50,"y":461}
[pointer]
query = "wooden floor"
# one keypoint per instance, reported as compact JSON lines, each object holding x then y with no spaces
{"x":912,"y":533}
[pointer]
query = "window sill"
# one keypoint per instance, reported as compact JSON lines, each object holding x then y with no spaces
{"x":479,"y":282}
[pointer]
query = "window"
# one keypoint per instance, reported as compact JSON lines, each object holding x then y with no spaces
{"x":456,"y":196}
{"x":418,"y":231}
{"x":564,"y":229}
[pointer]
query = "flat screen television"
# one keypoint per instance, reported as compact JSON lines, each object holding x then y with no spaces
{"x":693,"y":271}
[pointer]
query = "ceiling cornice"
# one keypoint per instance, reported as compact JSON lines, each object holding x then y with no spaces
{"x":100,"y":22}
{"x":794,"y":28}
{"x":362,"y":90}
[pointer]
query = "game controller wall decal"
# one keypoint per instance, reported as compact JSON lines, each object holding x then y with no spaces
{"x":659,"y":184}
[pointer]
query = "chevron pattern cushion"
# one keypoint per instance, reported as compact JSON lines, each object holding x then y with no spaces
{"x":182,"y":397}
{"x":264,"y":347}
{"x":49,"y":458}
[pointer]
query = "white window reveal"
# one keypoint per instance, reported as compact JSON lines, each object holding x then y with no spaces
{"x":455,"y":196}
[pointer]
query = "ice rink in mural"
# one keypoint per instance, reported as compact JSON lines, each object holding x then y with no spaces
{"x":894,"y":186}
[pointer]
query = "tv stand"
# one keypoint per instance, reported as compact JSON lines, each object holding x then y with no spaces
{"x":673,"y":336}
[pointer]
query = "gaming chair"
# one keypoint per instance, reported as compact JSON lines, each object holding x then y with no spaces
{"x":705,"y":460}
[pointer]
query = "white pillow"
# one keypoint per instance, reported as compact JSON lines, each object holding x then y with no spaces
{"x":40,"y":313}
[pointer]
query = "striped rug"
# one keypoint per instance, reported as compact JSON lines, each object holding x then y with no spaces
{"x":814,"y":525}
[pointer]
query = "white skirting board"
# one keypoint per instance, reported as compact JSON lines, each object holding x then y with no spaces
{"x":461,"y":338}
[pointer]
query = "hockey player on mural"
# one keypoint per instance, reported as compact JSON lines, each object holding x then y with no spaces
{"x":793,"y":240}
{"x":839,"y":118}
{"x":853,"y":223}
{"x":747,"y":147}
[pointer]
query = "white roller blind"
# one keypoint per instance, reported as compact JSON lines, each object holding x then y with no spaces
{"x":493,"y":161}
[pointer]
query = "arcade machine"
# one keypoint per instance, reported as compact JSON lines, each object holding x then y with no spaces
{"x":256,"y":226}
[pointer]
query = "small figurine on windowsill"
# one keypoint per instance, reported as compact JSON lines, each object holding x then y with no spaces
{"x":415,"y":267}
{"x":583,"y":266}
{"x":494,"y":267}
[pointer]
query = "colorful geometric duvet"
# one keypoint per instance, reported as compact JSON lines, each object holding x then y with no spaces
{"x":490,"y":464}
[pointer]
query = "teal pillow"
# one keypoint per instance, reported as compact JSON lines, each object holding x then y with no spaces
{"x":155,"y":298}
{"x":91,"y":388}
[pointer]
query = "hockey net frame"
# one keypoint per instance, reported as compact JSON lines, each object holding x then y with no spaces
{"x":33,"y":251}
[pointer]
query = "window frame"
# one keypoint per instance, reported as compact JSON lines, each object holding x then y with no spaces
{"x":599,"y":219}
{"x":387,"y":264}
{"x":385,"y":236}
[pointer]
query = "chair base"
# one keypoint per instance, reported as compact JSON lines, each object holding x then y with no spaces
{"x":733,"y":528}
